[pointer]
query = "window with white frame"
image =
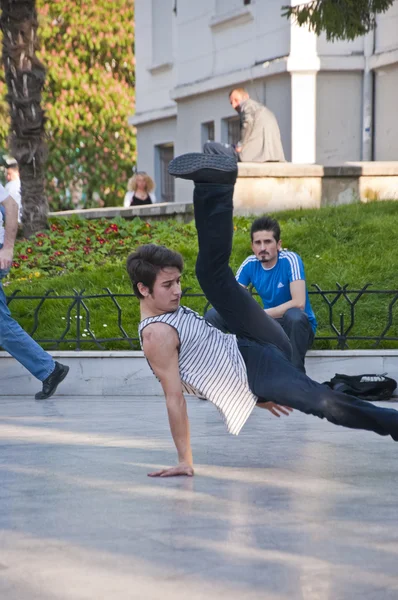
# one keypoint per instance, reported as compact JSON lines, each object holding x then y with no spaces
{"x":162,"y":26}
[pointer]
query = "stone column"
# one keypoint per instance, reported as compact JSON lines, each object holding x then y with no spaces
{"x":303,"y":65}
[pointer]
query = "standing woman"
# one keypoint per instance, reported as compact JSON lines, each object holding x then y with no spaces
{"x":140,"y":190}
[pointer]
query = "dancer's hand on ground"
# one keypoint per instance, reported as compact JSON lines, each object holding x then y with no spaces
{"x":183,"y":469}
{"x":5,"y":258}
{"x":276,"y":409}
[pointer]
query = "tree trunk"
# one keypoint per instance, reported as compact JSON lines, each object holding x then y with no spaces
{"x":25,"y":76}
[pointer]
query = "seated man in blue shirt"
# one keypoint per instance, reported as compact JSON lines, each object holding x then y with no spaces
{"x":279,"y":278}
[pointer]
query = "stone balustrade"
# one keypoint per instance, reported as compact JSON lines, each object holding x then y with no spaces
{"x":270,"y":187}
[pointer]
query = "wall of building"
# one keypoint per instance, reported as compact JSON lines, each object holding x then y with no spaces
{"x":386,"y":37}
{"x":278,"y":98}
{"x":152,"y":87}
{"x":214,"y":39}
{"x":386,"y":85}
{"x":314,"y":87}
{"x":194,"y":45}
{"x":386,"y":120}
{"x":340,"y":47}
{"x":338,"y":117}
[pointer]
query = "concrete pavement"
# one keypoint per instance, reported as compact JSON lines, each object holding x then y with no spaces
{"x":294,"y":508}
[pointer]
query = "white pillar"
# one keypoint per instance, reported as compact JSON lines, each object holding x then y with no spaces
{"x":303,"y":65}
{"x":303,"y":117}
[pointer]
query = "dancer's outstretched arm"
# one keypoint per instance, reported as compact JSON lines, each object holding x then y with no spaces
{"x":160,"y":345}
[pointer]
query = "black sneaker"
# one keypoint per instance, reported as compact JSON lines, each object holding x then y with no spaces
{"x":51,"y":383}
{"x":204,"y":168}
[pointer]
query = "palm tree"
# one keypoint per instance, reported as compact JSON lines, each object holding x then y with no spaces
{"x":25,"y":76}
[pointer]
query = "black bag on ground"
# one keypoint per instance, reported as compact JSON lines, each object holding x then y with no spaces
{"x":367,"y":387}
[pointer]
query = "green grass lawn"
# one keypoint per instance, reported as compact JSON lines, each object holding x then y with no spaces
{"x":354,"y":245}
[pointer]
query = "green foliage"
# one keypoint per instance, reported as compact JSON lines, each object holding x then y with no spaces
{"x":88,"y":50}
{"x":80,"y":245}
{"x":352,"y":245}
{"x":339,"y":19}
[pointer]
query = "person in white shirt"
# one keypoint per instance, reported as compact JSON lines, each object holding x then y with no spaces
{"x":13,"y":185}
{"x":13,"y":338}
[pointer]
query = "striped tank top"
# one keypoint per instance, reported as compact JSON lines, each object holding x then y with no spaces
{"x":210,"y":365}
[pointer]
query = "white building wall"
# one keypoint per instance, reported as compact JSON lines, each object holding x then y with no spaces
{"x":196,"y":110}
{"x":386,"y":33}
{"x":194,"y":42}
{"x":339,"y":48}
{"x":272,"y":33}
{"x":386,"y":119}
{"x":153,"y":84}
{"x":338,"y":117}
{"x":319,"y":91}
{"x":386,"y":86}
{"x":278,"y":98}
{"x":221,"y":37}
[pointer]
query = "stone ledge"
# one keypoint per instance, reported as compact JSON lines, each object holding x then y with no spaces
{"x":127,"y":373}
{"x":270,"y":187}
{"x":351,"y":169}
{"x":158,"y":210}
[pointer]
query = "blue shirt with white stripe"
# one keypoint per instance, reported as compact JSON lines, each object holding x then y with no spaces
{"x":273,"y":285}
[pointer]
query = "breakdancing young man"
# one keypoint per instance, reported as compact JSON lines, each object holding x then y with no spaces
{"x":234,"y":372}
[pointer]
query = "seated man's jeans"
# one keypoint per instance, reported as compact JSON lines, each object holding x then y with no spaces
{"x":218,"y":148}
{"x":19,"y":344}
{"x":295,"y":324}
{"x":298,"y":329}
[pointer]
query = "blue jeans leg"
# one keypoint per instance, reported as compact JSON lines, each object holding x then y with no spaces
{"x":273,"y":378}
{"x":21,"y":346}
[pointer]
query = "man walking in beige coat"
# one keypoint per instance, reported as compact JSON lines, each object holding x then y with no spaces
{"x":260,"y":138}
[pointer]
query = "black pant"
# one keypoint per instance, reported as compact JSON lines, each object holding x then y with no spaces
{"x":262,"y":342}
{"x":297,"y":327}
{"x":218,"y":148}
{"x":294,"y":323}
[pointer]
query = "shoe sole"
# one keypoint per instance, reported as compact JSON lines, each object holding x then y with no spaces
{"x":55,"y":389}
{"x":189,"y":164}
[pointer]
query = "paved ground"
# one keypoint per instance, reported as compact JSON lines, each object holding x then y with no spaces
{"x":294,"y":508}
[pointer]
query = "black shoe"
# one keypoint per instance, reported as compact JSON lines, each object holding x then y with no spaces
{"x":204,"y":168}
{"x":51,"y":383}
